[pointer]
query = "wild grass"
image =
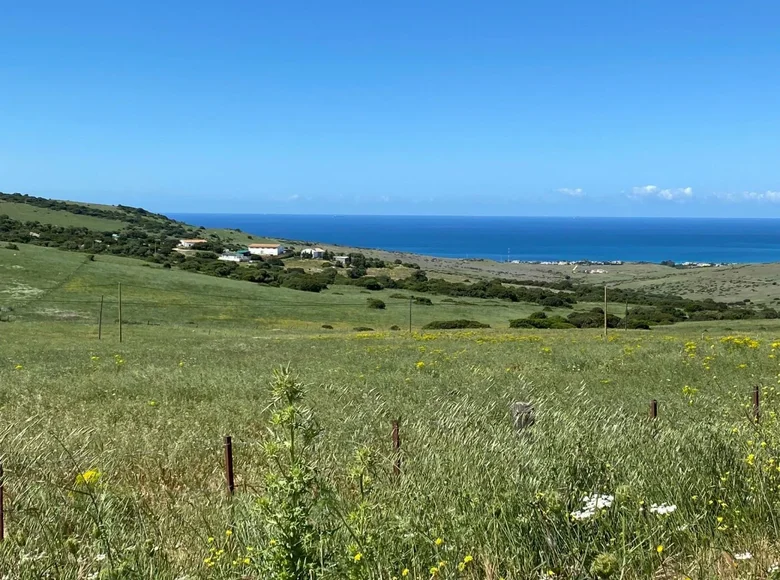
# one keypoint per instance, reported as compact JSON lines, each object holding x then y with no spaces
{"x":114,"y":464}
{"x":30,"y":213}
{"x":113,"y":452}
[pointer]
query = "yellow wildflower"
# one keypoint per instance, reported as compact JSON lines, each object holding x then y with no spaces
{"x":659,"y":549}
{"x":90,"y":477}
{"x":438,"y":541}
{"x":358,"y":557}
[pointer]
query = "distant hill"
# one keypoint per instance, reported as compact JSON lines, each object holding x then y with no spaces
{"x":97,"y":228}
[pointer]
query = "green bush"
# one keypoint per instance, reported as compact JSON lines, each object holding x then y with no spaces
{"x":327,"y":327}
{"x":454,"y":324}
{"x":11,"y":247}
{"x":376,"y":304}
{"x":423,"y":301}
{"x":363,"y":329}
{"x":395,"y":327}
{"x":542,"y":321}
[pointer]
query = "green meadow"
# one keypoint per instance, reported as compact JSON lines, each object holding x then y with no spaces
{"x":114,"y":463}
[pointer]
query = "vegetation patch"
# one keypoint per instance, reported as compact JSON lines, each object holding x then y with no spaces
{"x":454,"y":324}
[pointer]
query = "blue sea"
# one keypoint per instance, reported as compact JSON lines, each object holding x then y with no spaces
{"x":524,"y":238}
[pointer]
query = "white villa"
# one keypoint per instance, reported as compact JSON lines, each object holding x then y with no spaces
{"x":266,"y":249}
{"x":188,"y":243}
{"x":312,"y":253}
{"x":234,"y":257}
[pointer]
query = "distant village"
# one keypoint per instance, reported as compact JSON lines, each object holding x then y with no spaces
{"x":578,"y":263}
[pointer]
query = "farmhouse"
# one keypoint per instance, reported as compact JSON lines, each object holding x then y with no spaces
{"x":188,"y":243}
{"x":312,"y":253}
{"x":343,"y":260}
{"x":266,"y":249}
{"x":235,"y":256}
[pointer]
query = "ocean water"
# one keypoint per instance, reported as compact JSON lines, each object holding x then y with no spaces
{"x":524,"y":238}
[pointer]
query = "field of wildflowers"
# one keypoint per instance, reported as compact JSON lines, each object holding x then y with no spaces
{"x":114,"y":465}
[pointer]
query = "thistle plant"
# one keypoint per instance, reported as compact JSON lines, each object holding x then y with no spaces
{"x":293,"y":488}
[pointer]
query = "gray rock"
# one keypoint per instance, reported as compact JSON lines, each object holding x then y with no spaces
{"x":523,"y":415}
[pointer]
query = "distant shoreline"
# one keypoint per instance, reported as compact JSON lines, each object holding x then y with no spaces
{"x":690,"y":242}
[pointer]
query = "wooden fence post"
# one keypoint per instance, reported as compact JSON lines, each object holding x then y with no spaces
{"x":231,"y":484}
{"x":653,"y":409}
{"x":100,"y":319}
{"x":396,"y":448}
{"x":120,"y":312}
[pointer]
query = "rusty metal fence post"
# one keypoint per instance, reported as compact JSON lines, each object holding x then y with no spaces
{"x":396,"y":448}
{"x":756,"y":405}
{"x":2,"y":502}
{"x":231,"y":484}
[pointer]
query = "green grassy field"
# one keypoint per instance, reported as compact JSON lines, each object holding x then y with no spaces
{"x":114,"y":463}
{"x":48,"y":284}
{"x":31,"y":213}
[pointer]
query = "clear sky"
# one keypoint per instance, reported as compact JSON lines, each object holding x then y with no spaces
{"x":406,"y":107}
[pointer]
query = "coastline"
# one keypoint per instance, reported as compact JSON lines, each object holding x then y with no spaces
{"x":508,"y":240}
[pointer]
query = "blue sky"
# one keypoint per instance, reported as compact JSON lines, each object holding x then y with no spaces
{"x":526,"y":108}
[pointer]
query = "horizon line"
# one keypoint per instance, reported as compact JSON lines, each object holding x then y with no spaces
{"x":222,"y":213}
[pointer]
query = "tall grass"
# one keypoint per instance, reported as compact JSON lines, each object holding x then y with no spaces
{"x":114,"y":465}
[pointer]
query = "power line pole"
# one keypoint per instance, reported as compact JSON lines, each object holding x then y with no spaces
{"x":605,"y":312}
{"x":120,"y":312}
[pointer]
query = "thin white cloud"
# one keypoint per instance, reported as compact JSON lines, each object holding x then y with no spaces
{"x":644,"y":190}
{"x":572,"y":192}
{"x":667,"y":194}
{"x":768,"y":195}
{"x":771,"y":196}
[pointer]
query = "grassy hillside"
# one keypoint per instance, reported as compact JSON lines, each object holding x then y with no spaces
{"x":49,"y":284}
{"x":113,"y":451}
{"x":29,"y":213}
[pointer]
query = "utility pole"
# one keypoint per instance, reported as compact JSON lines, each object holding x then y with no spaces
{"x":605,"y":312}
{"x":120,"y":312}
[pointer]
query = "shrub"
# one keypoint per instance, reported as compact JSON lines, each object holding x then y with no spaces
{"x":540,"y":320}
{"x":423,"y":301}
{"x":395,"y":327}
{"x":11,"y":247}
{"x":363,"y":329}
{"x":327,"y":327}
{"x":399,"y":296}
{"x":304,"y":282}
{"x":638,"y":324}
{"x":454,"y":324}
{"x":376,"y":304}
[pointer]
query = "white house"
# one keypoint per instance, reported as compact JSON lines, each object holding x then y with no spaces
{"x":316,"y":253}
{"x":343,"y":260}
{"x":191,"y":242}
{"x":266,"y":249}
{"x":233,"y":257}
